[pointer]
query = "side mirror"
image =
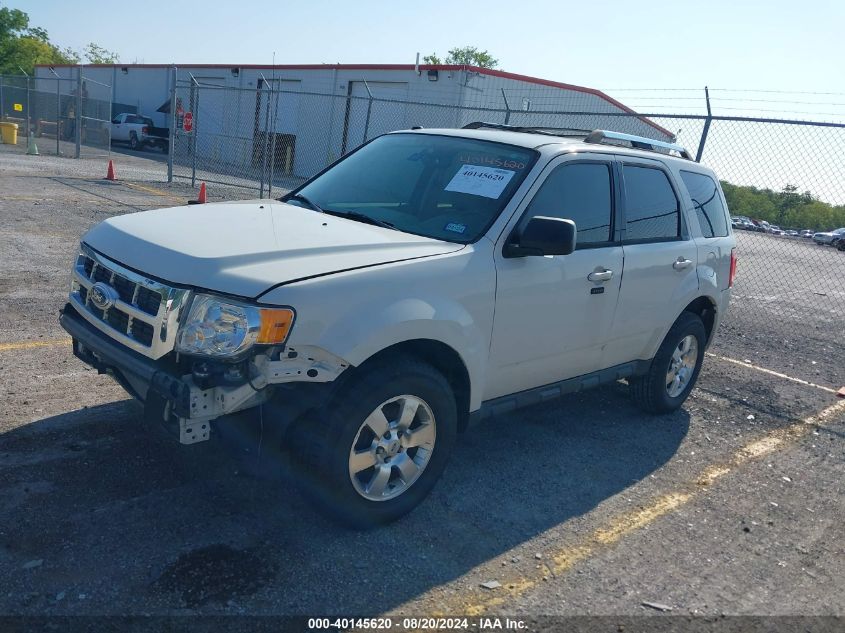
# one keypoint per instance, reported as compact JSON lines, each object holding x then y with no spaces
{"x":542,"y":236}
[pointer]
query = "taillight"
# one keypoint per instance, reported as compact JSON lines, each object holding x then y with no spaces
{"x":733,"y":268}
{"x":145,"y":130}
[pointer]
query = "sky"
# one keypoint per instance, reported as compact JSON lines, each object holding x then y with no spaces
{"x":775,"y":59}
{"x":654,"y":56}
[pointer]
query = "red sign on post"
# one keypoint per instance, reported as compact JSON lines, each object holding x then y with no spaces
{"x":188,"y":122}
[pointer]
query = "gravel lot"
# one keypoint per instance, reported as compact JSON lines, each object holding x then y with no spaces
{"x":733,"y":505}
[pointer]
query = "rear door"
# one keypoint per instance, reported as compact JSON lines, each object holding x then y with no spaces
{"x":661,"y":257}
{"x":714,"y":238}
{"x":553,"y":313}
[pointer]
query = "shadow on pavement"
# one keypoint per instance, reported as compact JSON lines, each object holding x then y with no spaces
{"x":134,"y":522}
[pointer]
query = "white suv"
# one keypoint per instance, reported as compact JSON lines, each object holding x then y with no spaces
{"x":428,"y":279}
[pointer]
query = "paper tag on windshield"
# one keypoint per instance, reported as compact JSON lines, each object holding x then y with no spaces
{"x":475,"y":180}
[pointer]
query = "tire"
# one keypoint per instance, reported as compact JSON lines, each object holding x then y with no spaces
{"x":322,"y":444}
{"x":133,"y":142}
{"x":653,"y":392}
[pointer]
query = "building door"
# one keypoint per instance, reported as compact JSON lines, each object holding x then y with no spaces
{"x":366,"y":119}
{"x":276,"y":124}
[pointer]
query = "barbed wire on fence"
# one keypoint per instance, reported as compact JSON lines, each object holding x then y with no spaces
{"x":774,"y":170}
{"x":783,"y":172}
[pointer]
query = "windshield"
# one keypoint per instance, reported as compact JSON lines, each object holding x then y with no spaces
{"x":443,"y":187}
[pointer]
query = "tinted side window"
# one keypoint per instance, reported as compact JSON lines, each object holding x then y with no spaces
{"x":651,"y":211}
{"x":708,"y":205}
{"x":580,"y":192}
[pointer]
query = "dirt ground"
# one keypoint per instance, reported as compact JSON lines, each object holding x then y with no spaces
{"x":731,"y":506}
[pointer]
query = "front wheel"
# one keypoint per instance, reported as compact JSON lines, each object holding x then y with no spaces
{"x":674,"y":369}
{"x":377,"y":449}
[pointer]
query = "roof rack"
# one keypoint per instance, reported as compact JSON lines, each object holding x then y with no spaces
{"x":477,"y":125}
{"x":637,"y":142}
{"x":590,"y":136}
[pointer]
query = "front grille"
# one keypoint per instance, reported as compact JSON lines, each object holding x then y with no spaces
{"x":143,"y":313}
{"x":125,"y":288}
{"x":148,"y":300}
{"x":118,"y":320}
{"x":130,"y":292}
{"x":142,"y":332}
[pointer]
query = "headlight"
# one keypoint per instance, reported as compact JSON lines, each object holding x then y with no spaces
{"x":215,"y":327}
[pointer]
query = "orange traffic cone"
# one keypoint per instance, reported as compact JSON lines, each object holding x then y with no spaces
{"x":110,"y":173}
{"x":202,"y":198}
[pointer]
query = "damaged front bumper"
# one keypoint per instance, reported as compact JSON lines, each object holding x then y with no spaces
{"x":193,"y":405}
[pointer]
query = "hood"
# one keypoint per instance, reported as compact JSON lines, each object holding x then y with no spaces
{"x":244,"y":248}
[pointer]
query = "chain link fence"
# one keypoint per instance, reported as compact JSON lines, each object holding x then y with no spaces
{"x":62,"y":116}
{"x":785,"y":177}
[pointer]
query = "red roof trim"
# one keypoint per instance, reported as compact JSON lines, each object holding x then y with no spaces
{"x":483,"y":71}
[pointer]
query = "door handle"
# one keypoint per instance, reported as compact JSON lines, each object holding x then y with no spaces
{"x":682,"y":263}
{"x":600,"y":275}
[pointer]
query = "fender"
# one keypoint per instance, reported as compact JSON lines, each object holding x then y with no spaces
{"x":356,"y":314}
{"x":356,"y":339}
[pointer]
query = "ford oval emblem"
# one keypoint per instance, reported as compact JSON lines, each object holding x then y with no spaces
{"x":102,"y":295}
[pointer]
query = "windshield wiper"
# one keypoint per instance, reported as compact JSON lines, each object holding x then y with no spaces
{"x":299,"y":197}
{"x":361,"y":217}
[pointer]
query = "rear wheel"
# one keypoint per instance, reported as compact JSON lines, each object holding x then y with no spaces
{"x":377,"y":449}
{"x":674,"y":369}
{"x":133,"y":141}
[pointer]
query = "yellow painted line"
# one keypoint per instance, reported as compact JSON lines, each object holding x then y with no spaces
{"x":154,"y":191}
{"x":621,"y":525}
{"x":770,"y":372}
{"x":5,"y":347}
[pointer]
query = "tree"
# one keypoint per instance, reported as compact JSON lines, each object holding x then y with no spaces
{"x":465,"y":56}
{"x":98,"y":55}
{"x":786,"y":208}
{"x":23,"y":46}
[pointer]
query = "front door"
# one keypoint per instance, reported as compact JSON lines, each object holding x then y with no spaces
{"x":553,"y":313}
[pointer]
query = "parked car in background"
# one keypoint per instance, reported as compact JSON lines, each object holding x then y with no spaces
{"x":742,"y":223}
{"x":139,"y":132}
{"x":828,"y":237}
{"x":807,"y":233}
{"x":774,"y":229}
{"x":791,"y":233}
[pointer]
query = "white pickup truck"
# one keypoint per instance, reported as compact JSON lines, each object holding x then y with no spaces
{"x":138,"y":132}
{"x":428,"y":279}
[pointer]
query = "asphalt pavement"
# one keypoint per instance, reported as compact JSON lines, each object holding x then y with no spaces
{"x":731,"y":506}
